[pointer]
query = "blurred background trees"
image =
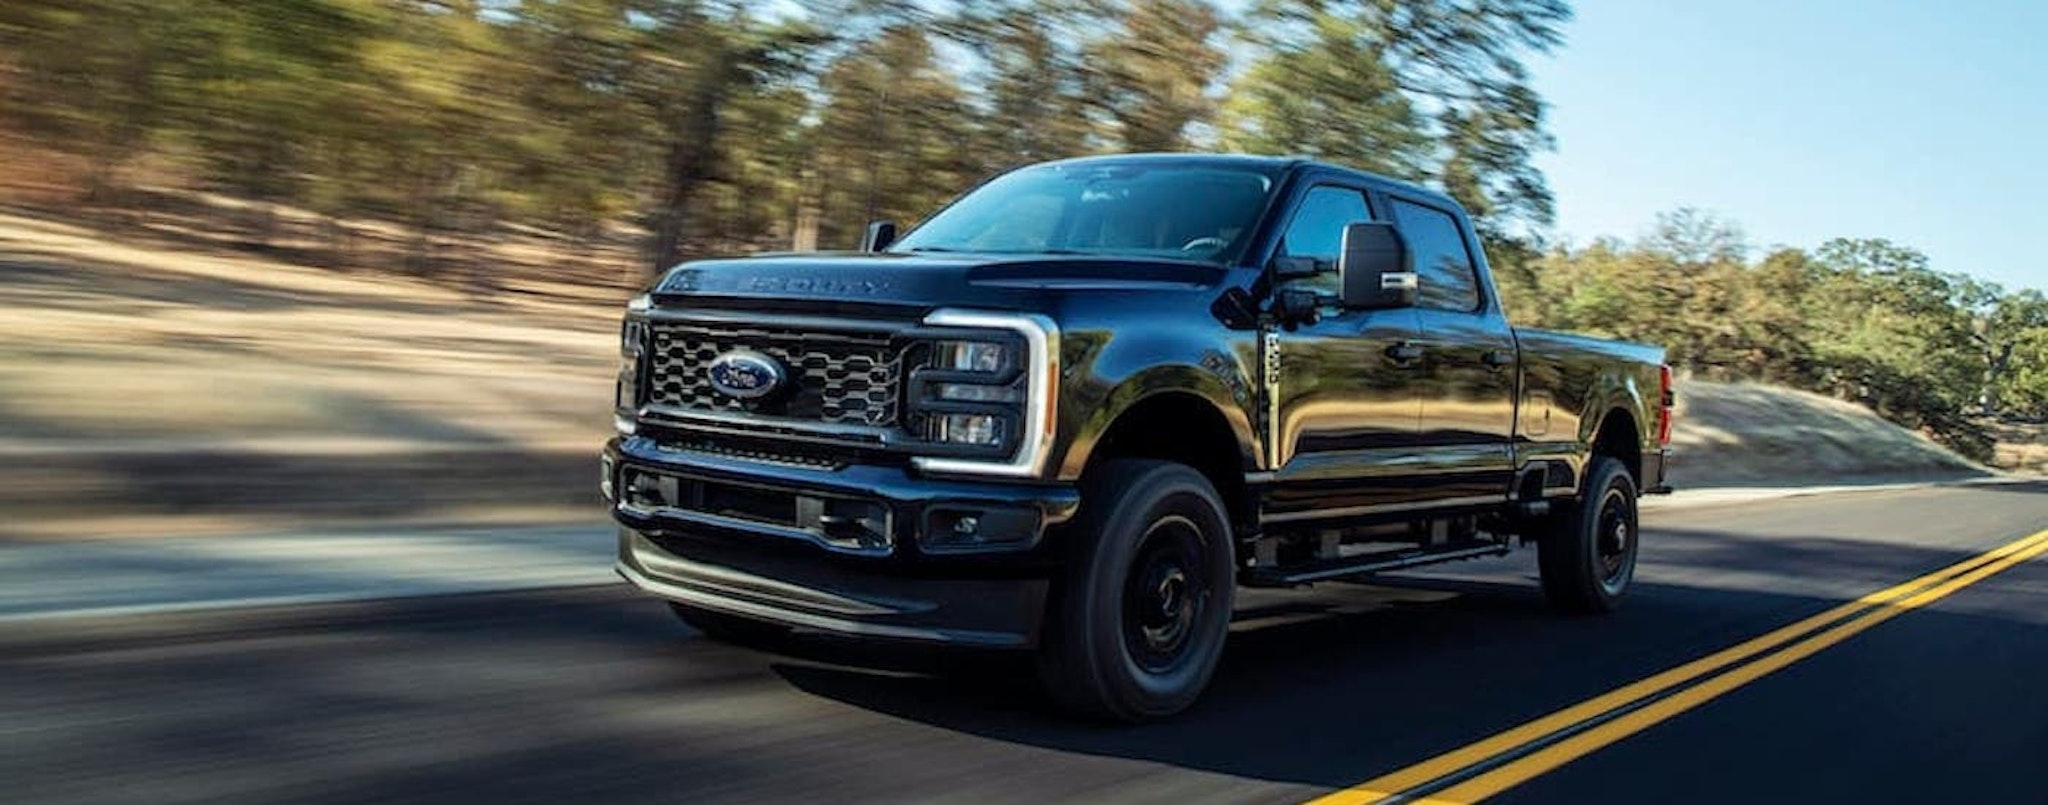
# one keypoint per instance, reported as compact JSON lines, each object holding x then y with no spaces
{"x":714,"y":125}
{"x":666,"y":129}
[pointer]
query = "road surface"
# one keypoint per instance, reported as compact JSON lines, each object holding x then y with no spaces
{"x":1929,"y":692}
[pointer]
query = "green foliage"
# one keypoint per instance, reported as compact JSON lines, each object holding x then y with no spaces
{"x":1429,"y":90}
{"x":889,"y":134}
{"x":718,"y":125}
{"x":1864,"y":320}
{"x":1153,"y":73}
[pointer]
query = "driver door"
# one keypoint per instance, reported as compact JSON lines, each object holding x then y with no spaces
{"x":1347,"y":415}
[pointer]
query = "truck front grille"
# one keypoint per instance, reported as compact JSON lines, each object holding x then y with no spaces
{"x":838,"y":378}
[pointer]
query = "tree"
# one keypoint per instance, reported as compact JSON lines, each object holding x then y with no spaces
{"x":1326,"y":90}
{"x":1419,"y":89}
{"x":2012,"y":335}
{"x":98,"y":77}
{"x":1152,"y":74}
{"x":695,"y":64}
{"x":889,"y":133}
{"x":1034,"y":81}
{"x":582,"y":141}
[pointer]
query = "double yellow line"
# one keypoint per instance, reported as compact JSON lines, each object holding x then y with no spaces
{"x":1493,"y":765}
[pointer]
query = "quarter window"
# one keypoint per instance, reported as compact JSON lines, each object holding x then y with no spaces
{"x":1449,"y":280}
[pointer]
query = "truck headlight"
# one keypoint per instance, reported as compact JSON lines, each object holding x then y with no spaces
{"x":968,"y":393}
{"x":983,"y":430}
{"x":972,"y":392}
{"x":979,"y":357}
{"x":980,"y":393}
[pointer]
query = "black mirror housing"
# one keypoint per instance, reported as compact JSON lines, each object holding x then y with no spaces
{"x":1374,"y":268}
{"x":878,"y":236}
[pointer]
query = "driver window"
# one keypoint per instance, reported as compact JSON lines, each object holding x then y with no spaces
{"x":1318,"y":227}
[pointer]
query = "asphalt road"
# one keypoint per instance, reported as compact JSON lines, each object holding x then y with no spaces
{"x":593,"y":695}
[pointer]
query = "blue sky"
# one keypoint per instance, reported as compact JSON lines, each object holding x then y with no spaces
{"x":1922,"y":122}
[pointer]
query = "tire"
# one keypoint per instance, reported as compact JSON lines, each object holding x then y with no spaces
{"x":733,"y":629}
{"x":1587,"y":553}
{"x":1140,"y":611}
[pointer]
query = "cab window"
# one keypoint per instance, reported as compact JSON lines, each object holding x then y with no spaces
{"x":1449,"y":279}
{"x":1317,"y":229}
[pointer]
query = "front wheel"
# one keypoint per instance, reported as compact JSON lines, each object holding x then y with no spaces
{"x":1140,"y":613}
{"x":1587,"y":553}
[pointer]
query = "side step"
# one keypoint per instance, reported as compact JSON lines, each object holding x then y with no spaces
{"x":1359,"y":565}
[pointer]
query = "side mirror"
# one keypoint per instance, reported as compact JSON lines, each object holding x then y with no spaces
{"x":1294,"y":268}
{"x":1373,"y":267}
{"x":878,"y":237}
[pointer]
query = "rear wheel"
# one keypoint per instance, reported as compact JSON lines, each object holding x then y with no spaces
{"x":1587,"y":553}
{"x":1139,"y":616}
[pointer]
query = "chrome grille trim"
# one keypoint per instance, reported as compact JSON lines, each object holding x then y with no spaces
{"x":840,"y":378}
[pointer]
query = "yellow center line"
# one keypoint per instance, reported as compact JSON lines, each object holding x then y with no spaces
{"x":1801,"y":639}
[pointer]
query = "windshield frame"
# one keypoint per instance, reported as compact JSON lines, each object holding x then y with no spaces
{"x":1275,"y":173}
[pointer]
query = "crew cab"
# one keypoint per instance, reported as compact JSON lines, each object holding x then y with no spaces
{"x":1074,"y":411}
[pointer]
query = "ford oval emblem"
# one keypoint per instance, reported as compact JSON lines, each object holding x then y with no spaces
{"x":745,"y":374}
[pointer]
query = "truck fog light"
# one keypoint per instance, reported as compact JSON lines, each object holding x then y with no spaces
{"x":967,"y":529}
{"x":974,"y":429}
{"x":970,"y":392}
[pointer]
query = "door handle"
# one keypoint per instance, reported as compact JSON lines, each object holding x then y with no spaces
{"x":1497,"y":358}
{"x":1404,"y":352}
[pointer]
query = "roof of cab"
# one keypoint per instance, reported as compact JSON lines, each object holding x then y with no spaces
{"x":1275,"y":164}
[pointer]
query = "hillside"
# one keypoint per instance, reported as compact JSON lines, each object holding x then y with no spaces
{"x":1749,"y":435}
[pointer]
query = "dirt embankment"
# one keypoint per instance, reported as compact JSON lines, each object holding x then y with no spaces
{"x":140,"y":381}
{"x":1751,"y":435}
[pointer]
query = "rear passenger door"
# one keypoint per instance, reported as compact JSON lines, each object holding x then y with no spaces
{"x":1467,"y":375}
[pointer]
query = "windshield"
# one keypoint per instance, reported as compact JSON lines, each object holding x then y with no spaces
{"x":1179,"y":211}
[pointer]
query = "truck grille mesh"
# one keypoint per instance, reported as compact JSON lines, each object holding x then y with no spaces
{"x":839,"y":379}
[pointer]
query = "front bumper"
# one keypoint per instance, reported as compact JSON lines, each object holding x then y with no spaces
{"x":899,"y":580}
{"x":816,"y":596}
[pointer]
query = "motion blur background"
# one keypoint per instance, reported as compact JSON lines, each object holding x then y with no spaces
{"x":362,"y":258}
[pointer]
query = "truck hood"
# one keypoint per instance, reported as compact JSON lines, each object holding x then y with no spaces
{"x":1022,"y":282}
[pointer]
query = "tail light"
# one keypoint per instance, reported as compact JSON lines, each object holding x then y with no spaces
{"x":1665,"y":399}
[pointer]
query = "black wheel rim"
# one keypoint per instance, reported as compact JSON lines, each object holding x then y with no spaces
{"x":1614,"y":537}
{"x":1165,"y":595}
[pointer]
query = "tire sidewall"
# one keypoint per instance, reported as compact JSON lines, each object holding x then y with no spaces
{"x":1160,"y":492}
{"x":1611,"y":479}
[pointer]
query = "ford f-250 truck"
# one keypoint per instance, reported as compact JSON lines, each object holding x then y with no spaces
{"x":1076,"y":409}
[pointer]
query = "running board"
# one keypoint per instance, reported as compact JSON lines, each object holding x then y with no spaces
{"x":1360,"y":565}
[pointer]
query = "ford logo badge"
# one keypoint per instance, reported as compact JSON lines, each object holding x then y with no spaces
{"x":745,"y":374}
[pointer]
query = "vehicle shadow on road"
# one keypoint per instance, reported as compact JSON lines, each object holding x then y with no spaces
{"x":1340,"y":687}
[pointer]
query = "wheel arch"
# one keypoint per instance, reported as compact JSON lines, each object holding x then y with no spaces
{"x":1176,"y":425}
{"x":1619,"y":435}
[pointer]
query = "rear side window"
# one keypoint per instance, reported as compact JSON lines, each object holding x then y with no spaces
{"x":1449,"y":280}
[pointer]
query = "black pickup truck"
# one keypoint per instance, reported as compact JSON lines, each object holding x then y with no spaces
{"x":1077,"y":408}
